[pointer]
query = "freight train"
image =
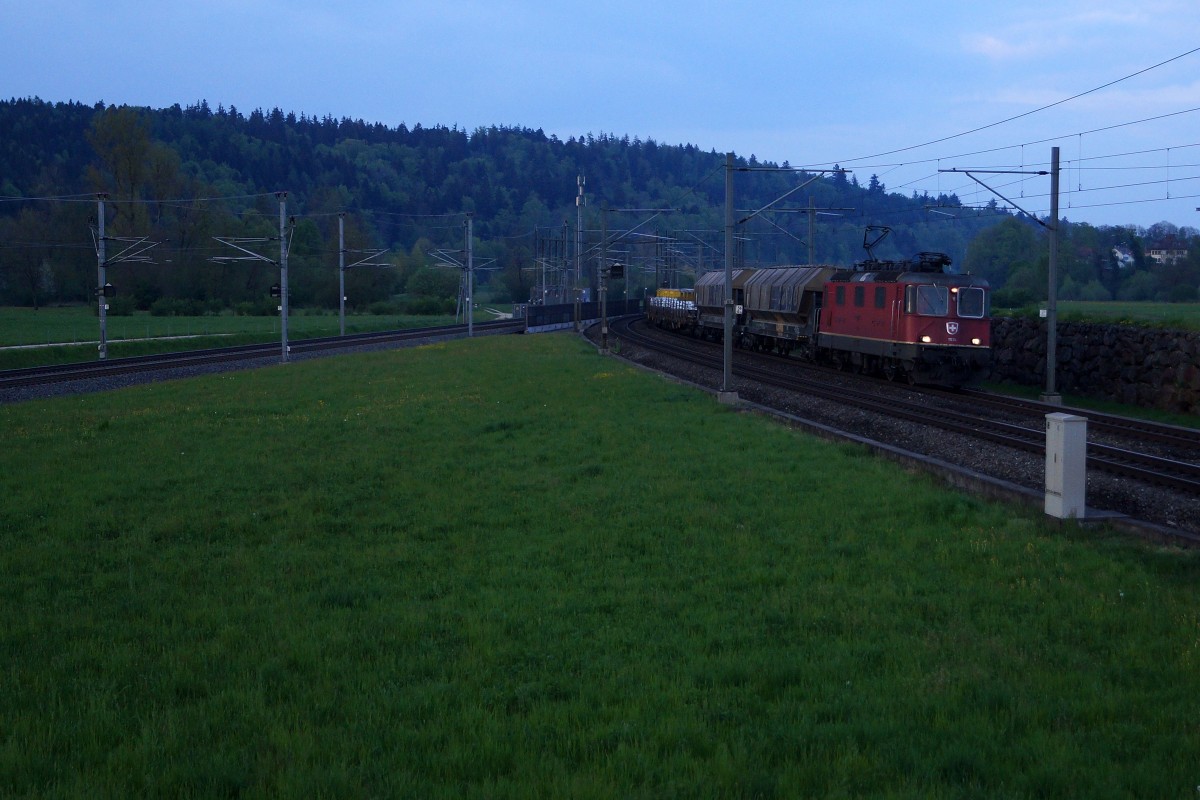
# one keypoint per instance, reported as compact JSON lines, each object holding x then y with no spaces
{"x":907,"y":320}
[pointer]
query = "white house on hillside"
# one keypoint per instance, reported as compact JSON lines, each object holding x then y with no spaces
{"x":1123,"y":257}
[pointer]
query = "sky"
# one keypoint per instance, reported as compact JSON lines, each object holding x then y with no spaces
{"x":900,"y":90}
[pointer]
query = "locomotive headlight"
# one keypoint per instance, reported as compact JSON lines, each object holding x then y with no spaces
{"x":926,"y":340}
{"x":976,"y":342}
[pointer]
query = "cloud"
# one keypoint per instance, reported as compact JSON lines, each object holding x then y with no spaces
{"x":1019,"y":45}
{"x":1080,"y":27}
{"x":998,"y":49}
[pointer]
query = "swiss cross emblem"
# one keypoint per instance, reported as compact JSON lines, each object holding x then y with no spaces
{"x":952,"y":328}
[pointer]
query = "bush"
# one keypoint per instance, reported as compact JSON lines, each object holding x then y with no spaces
{"x":121,"y":306}
{"x":264,"y":307}
{"x":1095,"y":291}
{"x":428,"y":306}
{"x":144,"y":295}
{"x":176,"y":307}
{"x":384,"y":308}
{"x":1181,"y":293}
{"x":434,"y":282}
{"x":1012,"y":298}
{"x":1139,"y":286}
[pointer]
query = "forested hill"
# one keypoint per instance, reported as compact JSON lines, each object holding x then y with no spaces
{"x":511,"y":178}
{"x":183,"y":175}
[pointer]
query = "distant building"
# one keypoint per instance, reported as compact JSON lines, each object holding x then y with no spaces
{"x":1166,"y":255}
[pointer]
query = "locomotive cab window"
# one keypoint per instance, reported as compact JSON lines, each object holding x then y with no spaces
{"x":859,"y":296}
{"x":972,"y":302}
{"x":926,"y":300}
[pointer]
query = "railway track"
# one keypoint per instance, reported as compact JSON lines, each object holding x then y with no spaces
{"x":34,"y":376}
{"x":979,"y":423}
{"x":1186,"y":439}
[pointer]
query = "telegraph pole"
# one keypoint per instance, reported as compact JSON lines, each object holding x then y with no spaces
{"x":578,"y":282}
{"x":367,"y":261}
{"x":564,"y":264}
{"x":341,"y":273}
{"x":281,"y":289}
{"x":1051,"y":394}
{"x":728,"y":395}
{"x":604,"y":278}
{"x":812,"y":225}
{"x":283,"y":275}
{"x":135,"y":250}
{"x":101,"y":260}
{"x":470,"y":274}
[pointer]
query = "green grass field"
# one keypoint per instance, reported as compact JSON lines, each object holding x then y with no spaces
{"x":1178,"y":316}
{"x":511,"y":567}
{"x":75,"y":332}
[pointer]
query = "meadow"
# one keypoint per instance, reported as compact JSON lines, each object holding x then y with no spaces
{"x":1177,"y":316}
{"x":512,"y":567}
{"x":66,"y":334}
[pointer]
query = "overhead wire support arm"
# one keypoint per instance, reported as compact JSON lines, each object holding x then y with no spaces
{"x":236,"y":243}
{"x":368,"y":259}
{"x":968,"y":172}
{"x":784,"y":230}
{"x":134,"y":252}
{"x":446,"y":258}
{"x":655,"y":212}
{"x":787,"y":194}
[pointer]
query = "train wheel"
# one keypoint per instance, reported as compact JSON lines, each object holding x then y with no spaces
{"x":889,"y":369}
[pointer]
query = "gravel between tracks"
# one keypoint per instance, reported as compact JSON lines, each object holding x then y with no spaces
{"x":1161,"y":508}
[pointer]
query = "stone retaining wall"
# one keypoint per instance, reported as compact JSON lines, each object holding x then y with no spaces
{"x":1138,"y":366}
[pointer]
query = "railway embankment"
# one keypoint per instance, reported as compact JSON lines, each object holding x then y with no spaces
{"x":1150,"y":367}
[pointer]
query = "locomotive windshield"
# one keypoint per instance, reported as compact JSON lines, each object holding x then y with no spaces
{"x":927,"y":300}
{"x":971,"y":302}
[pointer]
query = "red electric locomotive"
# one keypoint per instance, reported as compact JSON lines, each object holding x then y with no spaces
{"x":909,"y":319}
{"x":901,"y":319}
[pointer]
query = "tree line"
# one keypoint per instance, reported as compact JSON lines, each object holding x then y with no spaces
{"x":1094,"y":263}
{"x":181,"y":176}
